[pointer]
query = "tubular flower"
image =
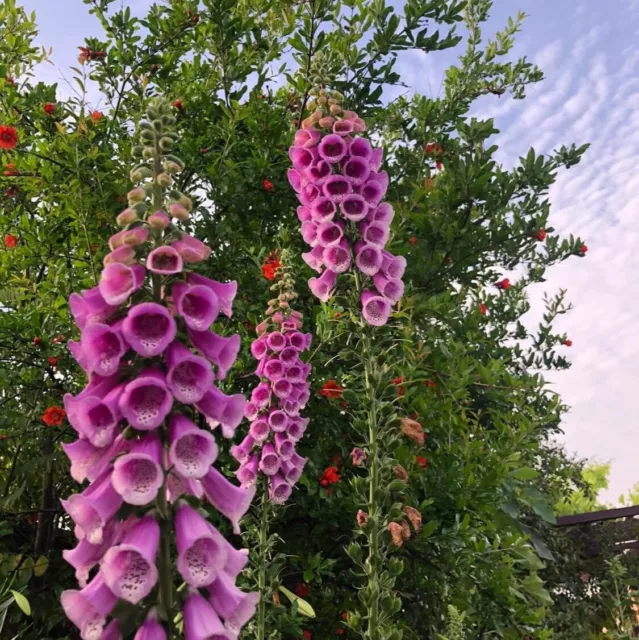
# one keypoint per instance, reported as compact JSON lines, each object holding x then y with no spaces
{"x":276,"y":402}
{"x":135,"y":446}
{"x":337,"y":179}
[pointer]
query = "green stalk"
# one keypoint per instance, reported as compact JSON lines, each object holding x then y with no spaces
{"x":263,"y":552}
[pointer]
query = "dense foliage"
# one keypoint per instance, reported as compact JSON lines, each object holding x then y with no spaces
{"x":455,"y":356}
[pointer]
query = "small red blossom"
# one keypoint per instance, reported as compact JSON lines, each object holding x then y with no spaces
{"x":8,"y":137}
{"x":302,"y":590}
{"x":36,"y":341}
{"x":503,"y":284}
{"x":482,"y":308}
{"x":10,"y":241}
{"x":431,"y":384}
{"x":177,"y":104}
{"x":439,"y":165}
{"x":268,"y":185}
{"x":12,"y":192}
{"x":306,"y":634}
{"x":421,"y":461}
{"x":10,"y":80}
{"x":540,"y":236}
{"x":398,"y":382}
{"x":344,"y":615}
{"x":330,"y":476}
{"x":96,"y":116}
{"x":412,"y":241}
{"x":49,"y":108}
{"x":582,"y":250}
{"x":53,"y":361}
{"x":337,"y":314}
{"x":332,"y":390}
{"x":54,"y":416}
{"x":270,"y":265}
{"x":567,"y":343}
{"x":88,"y":55}
{"x":11,"y":170}
{"x":434,"y":147}
{"x":58,"y":339}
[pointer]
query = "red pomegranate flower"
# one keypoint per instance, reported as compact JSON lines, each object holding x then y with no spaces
{"x":54,"y":416}
{"x":268,"y":185}
{"x":330,"y":476}
{"x":421,"y":461}
{"x":412,"y":241}
{"x":49,"y":108}
{"x":302,"y":590}
{"x":567,"y":343}
{"x":582,"y":250}
{"x":503,"y":284}
{"x":540,"y":236}
{"x":96,"y":116}
{"x":306,"y":634}
{"x":53,"y":361}
{"x":36,"y":341}
{"x":482,"y":308}
{"x":177,"y":104}
{"x":11,"y":170}
{"x":398,"y":382}
{"x":8,"y":137}
{"x":332,"y":390}
{"x":434,"y":147}
{"x":431,"y":384}
{"x":10,"y":241}
{"x":271,"y":265}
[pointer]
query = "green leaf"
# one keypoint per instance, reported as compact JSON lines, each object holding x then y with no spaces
{"x":524,"y":473}
{"x":41,"y":566}
{"x":22,"y":602}
{"x":303,"y":607}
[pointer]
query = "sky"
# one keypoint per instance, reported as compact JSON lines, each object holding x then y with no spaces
{"x":587,"y":51}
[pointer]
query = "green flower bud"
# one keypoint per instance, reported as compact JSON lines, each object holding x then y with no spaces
{"x":396,"y":566}
{"x":157,"y":125}
{"x":178,"y":211}
{"x":168,"y":120}
{"x":145,"y":126}
{"x":126,"y":217}
{"x":148,"y":153}
{"x":164,"y":180}
{"x":139,"y":208}
{"x":186,"y":202}
{"x":172,"y":167}
{"x":137,"y":150}
{"x":354,"y":552}
{"x":152,"y":113}
{"x":166,"y":144}
{"x":147,"y":136}
{"x":136,"y":176}
{"x":136,"y":195}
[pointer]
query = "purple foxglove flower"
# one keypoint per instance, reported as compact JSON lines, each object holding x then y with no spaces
{"x":291,"y":407}
{"x":307,"y":138}
{"x":323,"y":210}
{"x":189,"y":376}
{"x":302,"y":158}
{"x":164,"y":261}
{"x":231,"y":501}
{"x":228,"y":411}
{"x":284,"y":447}
{"x":292,"y":469}
{"x":90,"y":307}
{"x":92,"y":509}
{"x":235,"y":607}
{"x":119,"y":281}
{"x":242,"y":451}
{"x":192,"y":451}
{"x":225,"y":291}
{"x":375,"y":309}
{"x":112,"y":631}
{"x":149,"y":328}
{"x":322,"y":287}
{"x":102,"y":346}
{"x":382,"y":178}
{"x":247,"y":473}
{"x":151,"y":629}
{"x":292,"y":324}
{"x":190,"y":249}
{"x":319,"y":172}
{"x":372,"y":191}
{"x":343,"y":127}
{"x":80,"y":357}
{"x":309,"y":233}
{"x":221,"y":351}
{"x":289,"y":355}
{"x":83,"y":456}
{"x":375,"y":161}
{"x":130,"y":237}
{"x":261,"y":395}
{"x":259,"y":348}
{"x":176,"y":486}
{"x":118,"y":445}
{"x":358,"y":457}
{"x":146,"y":401}
{"x":297,"y":340}
{"x":303,"y":213}
{"x":84,"y":556}
{"x":278,"y":420}
{"x":357,"y":170}
{"x":314,"y":258}
{"x":201,"y":622}
{"x":329,"y":234}
{"x":308,"y":194}
{"x":159,"y":220}
{"x":197,"y":304}
{"x":391,"y":288}
{"x":337,"y":257}
{"x":250,"y":411}
{"x":368,"y":259}
{"x":274,"y":369}
{"x":93,"y":417}
{"x":259,"y":430}
{"x":296,"y":428}
{"x":280,"y":490}
{"x":88,"y":608}
{"x":270,"y":461}
{"x":332,"y":148}
{"x":201,"y":550}
{"x":138,"y":476}
{"x":360,"y":148}
{"x":129,"y":568}
{"x":275,"y":341}
{"x":125,"y":255}
{"x":337,"y":188}
{"x":296,"y":180}
{"x":376,"y":233}
{"x":393,"y":266}
{"x":384,"y":214}
{"x":282,"y":388}
{"x":236,"y":559}
{"x":354,"y":207}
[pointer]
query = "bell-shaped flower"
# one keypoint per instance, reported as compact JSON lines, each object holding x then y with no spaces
{"x":112,"y":631}
{"x":357,"y":170}
{"x":176,"y":487}
{"x":309,"y":232}
{"x":360,"y":148}
{"x":279,"y":490}
{"x":319,"y":172}
{"x":337,"y":188}
{"x":269,"y":462}
{"x":235,"y":607}
{"x":92,"y":509}
{"x":296,"y":428}
{"x":201,"y":548}
{"x":95,"y":418}
{"x":242,"y":451}
{"x":190,"y":249}
{"x":189,"y":376}
{"x":332,"y":148}
{"x":129,"y":237}
{"x":376,"y":233}
{"x":261,"y":395}
{"x":225,"y":291}
{"x":164,"y":261}
{"x":282,"y":388}
{"x":391,"y":288}
{"x":124,"y":254}
{"x":248,"y":470}
{"x":368,"y":258}
{"x":284,"y":447}
{"x":251,"y":411}
{"x":308,"y":194}
{"x":151,"y":629}
{"x":384,"y":214}
{"x":307,"y":138}
{"x":192,"y":451}
{"x":375,"y":309}
{"x":278,"y":420}
{"x":343,"y":127}
{"x":89,"y":307}
{"x":149,"y":328}
{"x":259,"y":430}
{"x":129,"y":568}
{"x":146,"y":400}
{"x":274,"y":369}
{"x":329,"y":233}
{"x":227,"y":411}
{"x":323,"y":210}
{"x":289,"y":355}
{"x":314,"y":258}
{"x":259,"y":348}
{"x":354,"y":207}
{"x":393,"y":266}
{"x":197,"y":304}
{"x":119,"y":281}
{"x":102,"y":346}
{"x":231,"y":501}
{"x":382,"y":178}
{"x":88,"y":608}
{"x":337,"y":257}
{"x":303,"y":213}
{"x":201,"y":622}
{"x":221,"y":351}
{"x":372,"y":191}
{"x":275,"y":341}
{"x":159,"y":220}
{"x":85,"y":457}
{"x":78,"y":354}
{"x":137,"y":475}
{"x":297,"y":340}
{"x":302,"y":158}
{"x":323,"y":286}
{"x":296,"y":180}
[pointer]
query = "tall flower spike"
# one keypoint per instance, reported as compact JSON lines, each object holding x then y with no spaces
{"x":145,"y":341}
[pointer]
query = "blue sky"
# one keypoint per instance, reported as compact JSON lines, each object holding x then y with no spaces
{"x":588,"y":52}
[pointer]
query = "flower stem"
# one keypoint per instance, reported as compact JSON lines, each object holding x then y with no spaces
{"x":263,"y":552}
{"x":165,"y":566}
